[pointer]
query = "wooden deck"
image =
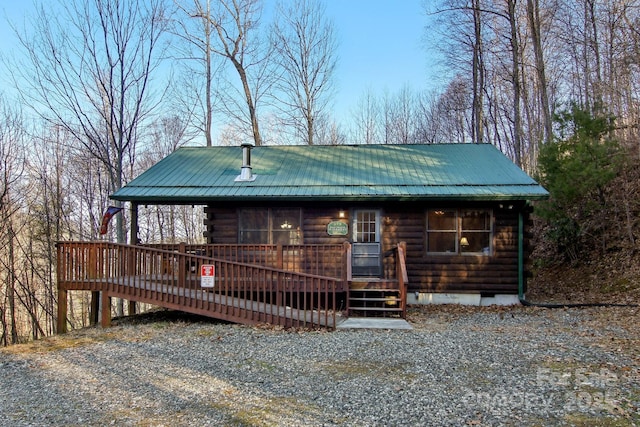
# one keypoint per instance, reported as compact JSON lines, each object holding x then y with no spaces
{"x":253,"y":283}
{"x":154,"y":290}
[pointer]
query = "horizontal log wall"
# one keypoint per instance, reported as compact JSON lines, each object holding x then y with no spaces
{"x":493,"y":274}
{"x":406,"y":222}
{"x":315,"y":225}
{"x":221,"y":225}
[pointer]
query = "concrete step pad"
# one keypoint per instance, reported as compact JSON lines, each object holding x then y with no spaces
{"x":373,"y":323}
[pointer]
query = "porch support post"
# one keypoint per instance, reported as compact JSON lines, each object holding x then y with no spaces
{"x":521,"y":284}
{"x":132,"y":307}
{"x":62,"y":311}
{"x":346,"y":273}
{"x":94,"y":309}
{"x":106,"y":310}
{"x":133,"y":240}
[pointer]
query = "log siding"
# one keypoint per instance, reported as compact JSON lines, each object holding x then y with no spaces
{"x":458,"y":273}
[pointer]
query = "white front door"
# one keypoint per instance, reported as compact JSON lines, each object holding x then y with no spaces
{"x":365,"y":259}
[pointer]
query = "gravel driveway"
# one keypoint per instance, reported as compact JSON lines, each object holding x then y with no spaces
{"x":458,"y":366}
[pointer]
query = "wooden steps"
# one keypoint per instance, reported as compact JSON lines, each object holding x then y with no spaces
{"x":375,"y":299}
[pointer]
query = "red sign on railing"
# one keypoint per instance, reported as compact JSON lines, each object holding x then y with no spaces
{"x":207,"y":275}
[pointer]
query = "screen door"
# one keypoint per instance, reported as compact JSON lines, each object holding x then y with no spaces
{"x":365,"y":258}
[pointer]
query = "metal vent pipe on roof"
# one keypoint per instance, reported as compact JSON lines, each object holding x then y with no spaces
{"x":245,"y":172}
{"x":246,"y":154}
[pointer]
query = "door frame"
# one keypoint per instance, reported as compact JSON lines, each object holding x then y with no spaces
{"x":366,"y":257}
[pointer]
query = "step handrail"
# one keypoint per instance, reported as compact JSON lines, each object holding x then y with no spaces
{"x":403,"y":277}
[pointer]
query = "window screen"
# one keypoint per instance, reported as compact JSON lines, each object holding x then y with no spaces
{"x":442,"y":231}
{"x":476,"y":229}
{"x":459,"y":231}
{"x":270,"y":226}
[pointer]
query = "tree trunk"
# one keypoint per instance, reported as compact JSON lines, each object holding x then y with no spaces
{"x":515,"y":82}
{"x":11,"y":285}
{"x":209,"y":113}
{"x":533,"y":13}
{"x":594,"y":46}
{"x":257,"y":140}
{"x":3,"y":337}
{"x":477,"y":115}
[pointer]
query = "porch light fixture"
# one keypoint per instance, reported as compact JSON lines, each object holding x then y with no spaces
{"x":341,"y":214}
{"x":464,"y":242}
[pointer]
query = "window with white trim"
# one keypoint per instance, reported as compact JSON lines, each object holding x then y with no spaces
{"x":270,"y":226}
{"x":459,"y":231}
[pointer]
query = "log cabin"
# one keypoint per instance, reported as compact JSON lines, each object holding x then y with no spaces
{"x":458,"y":207}
{"x":392,"y":224}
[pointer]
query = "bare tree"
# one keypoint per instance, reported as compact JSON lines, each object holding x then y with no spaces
{"x":478,"y":73}
{"x":454,"y":111}
{"x":88,"y":70}
{"x":428,"y":126}
{"x":48,"y":207}
{"x":403,"y":116}
{"x":12,"y":163}
{"x":514,"y":42}
{"x":11,"y":152}
{"x":466,"y":50}
{"x":305,"y":50}
{"x":197,"y":32}
{"x":329,"y":132}
{"x":235,"y":23}
{"x":535,"y":28}
{"x":535,"y":55}
{"x":167,"y":135}
{"x":366,"y":120}
{"x":490,"y":34}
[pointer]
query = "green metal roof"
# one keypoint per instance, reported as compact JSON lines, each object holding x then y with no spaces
{"x":344,"y":172}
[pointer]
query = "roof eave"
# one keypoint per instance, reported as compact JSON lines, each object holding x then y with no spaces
{"x":331,"y":198}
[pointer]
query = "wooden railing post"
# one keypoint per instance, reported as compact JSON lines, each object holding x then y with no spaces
{"x":135,"y":269}
{"x":279,"y":256}
{"x":131,"y":261}
{"x":92,"y":268}
{"x":182,"y":265}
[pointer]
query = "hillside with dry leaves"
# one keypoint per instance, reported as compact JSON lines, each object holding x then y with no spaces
{"x":607,"y":266}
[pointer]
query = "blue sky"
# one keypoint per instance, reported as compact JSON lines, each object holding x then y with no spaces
{"x":380,"y":46}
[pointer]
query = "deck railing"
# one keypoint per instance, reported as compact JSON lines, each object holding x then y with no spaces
{"x":242,"y":292}
{"x":321,"y":260}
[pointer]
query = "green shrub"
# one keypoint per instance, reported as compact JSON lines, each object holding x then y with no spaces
{"x":575,"y":168}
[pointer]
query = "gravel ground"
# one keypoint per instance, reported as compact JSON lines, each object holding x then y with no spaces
{"x":458,"y":366}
